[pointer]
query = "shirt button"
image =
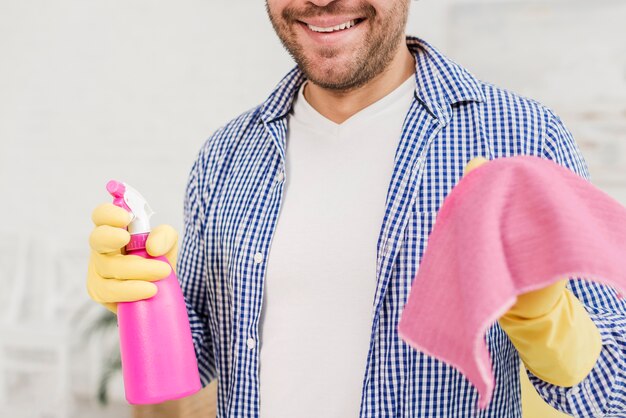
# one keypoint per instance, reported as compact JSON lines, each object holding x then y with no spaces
{"x":280,"y":176}
{"x":258,"y":258}
{"x":251,"y":343}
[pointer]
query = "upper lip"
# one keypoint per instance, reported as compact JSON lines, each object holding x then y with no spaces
{"x":328,"y":21}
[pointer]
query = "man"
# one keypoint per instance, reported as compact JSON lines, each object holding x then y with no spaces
{"x":340,"y":173}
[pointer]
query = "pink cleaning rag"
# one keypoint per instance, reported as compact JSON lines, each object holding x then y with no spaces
{"x":508,"y":227}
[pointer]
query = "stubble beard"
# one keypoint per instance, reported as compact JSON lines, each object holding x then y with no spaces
{"x":372,"y":58}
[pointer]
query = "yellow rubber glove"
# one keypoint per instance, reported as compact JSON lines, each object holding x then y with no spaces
{"x":554,"y":335}
{"x":113,"y":276}
{"x":551,"y":329}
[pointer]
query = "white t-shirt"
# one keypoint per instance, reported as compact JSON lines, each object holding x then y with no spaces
{"x":316,"y":315}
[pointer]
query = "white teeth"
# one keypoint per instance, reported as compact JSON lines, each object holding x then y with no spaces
{"x":345,"y":25}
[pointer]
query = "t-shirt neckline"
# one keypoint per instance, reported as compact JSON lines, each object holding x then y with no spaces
{"x":307,"y":114}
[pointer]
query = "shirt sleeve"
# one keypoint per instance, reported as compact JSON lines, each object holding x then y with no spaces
{"x":192,"y":276}
{"x":603,"y":392}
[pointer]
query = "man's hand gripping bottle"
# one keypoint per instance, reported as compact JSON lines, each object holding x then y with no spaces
{"x":158,"y":357}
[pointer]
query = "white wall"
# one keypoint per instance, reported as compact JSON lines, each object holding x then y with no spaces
{"x":568,"y":54}
{"x":94,"y":90}
{"x":111,"y":89}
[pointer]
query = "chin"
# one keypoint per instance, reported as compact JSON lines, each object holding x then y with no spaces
{"x":332,"y":81}
{"x":331,"y":74}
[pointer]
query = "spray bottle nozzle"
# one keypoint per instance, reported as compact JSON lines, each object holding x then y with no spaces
{"x":116,"y":189}
{"x":131,"y":200}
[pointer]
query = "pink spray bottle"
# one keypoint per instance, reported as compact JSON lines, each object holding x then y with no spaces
{"x":158,"y":357}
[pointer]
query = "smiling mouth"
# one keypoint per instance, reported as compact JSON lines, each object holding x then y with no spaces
{"x":343,"y":26}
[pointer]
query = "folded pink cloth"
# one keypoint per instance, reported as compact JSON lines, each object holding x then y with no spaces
{"x":508,"y":227}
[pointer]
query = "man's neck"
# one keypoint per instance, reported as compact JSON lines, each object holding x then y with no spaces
{"x":339,"y":106}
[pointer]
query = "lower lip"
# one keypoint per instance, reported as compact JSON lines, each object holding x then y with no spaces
{"x":328,"y":38}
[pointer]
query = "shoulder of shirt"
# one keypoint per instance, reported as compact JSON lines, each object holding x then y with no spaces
{"x":223,"y":137}
{"x":509,"y":103}
{"x":460,"y":85}
{"x":507,"y":108}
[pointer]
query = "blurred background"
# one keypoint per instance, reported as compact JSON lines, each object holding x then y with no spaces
{"x":98,"y":90}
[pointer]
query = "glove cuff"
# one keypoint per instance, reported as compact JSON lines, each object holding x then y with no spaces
{"x":560,"y":347}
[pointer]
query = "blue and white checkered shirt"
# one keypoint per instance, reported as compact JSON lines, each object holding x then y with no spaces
{"x":233,"y":200}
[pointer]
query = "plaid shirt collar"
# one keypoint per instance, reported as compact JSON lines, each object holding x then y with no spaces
{"x":441,"y":83}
